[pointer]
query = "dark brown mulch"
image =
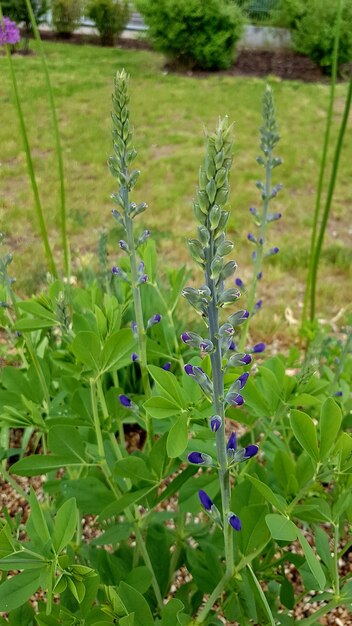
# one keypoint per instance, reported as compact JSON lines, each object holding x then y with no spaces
{"x":283,"y":63}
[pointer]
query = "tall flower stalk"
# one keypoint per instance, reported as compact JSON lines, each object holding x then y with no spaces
{"x":209,"y":251}
{"x":119,"y":164}
{"x":269,"y":137}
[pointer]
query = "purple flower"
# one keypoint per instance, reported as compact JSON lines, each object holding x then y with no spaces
{"x":198,"y":458}
{"x":134,"y":356}
{"x":234,"y":521}
{"x":134,"y":329}
{"x":234,"y":398}
{"x":215,"y":423}
{"x":246,"y":359}
{"x":188,"y":369}
{"x":125,"y":401}
{"x":250,"y":451}
{"x":232,"y":442}
{"x":243,"y":379}
{"x":259,"y":275}
{"x":142,"y":279}
{"x":251,"y":238}
{"x":144,"y":236}
{"x":167,"y":366}
{"x":116,"y":270}
{"x":186,"y":337}
{"x":123,"y":245}
{"x":155,"y":319}
{"x":258,"y":305}
{"x":253,"y":210}
{"x":338,"y":393}
{"x":9,"y":32}
{"x":259,"y":347}
{"x":205,"y":500}
{"x":232,"y":345}
{"x":239,"y":283}
{"x":273,"y":251}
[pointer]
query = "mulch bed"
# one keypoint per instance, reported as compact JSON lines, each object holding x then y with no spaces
{"x":283,"y":63}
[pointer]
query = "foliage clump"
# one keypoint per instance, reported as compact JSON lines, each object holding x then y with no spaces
{"x":313,"y":24}
{"x":66,"y":15}
{"x":193,"y":33}
{"x":110,"y":18}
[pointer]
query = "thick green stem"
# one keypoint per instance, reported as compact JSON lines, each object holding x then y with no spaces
{"x":63,"y":226}
{"x":30,"y":166}
{"x":212,"y":599}
{"x":108,"y":476}
{"x":323,"y":162}
{"x":218,"y":399}
{"x":336,"y":560}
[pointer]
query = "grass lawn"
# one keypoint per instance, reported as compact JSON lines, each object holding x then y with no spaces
{"x":169,"y":112}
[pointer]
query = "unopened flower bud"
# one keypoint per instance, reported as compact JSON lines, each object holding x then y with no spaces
{"x":215,"y":423}
{"x":155,"y":319}
{"x":259,"y":347}
{"x":199,"y":458}
{"x":205,"y":500}
{"x":234,"y":521}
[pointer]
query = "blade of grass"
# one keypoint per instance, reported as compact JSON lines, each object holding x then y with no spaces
{"x":64,"y":237}
{"x":332,"y":183}
{"x":30,"y":166}
{"x":309,"y":281}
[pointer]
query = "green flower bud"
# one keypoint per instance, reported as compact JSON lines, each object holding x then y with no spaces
{"x":224,"y":248}
{"x":203,"y":201}
{"x":228,"y":296}
{"x":221,"y":177}
{"x":222,"y":223}
{"x":222,"y":196}
{"x":216,"y":266}
{"x":199,"y":215}
{"x":214,"y":216}
{"x":196,"y":250}
{"x":228,"y":269}
{"x":203,"y":179}
{"x":219,"y":159}
{"x":204,"y":235}
{"x":211,"y":190}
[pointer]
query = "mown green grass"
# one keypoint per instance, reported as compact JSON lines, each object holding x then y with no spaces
{"x":169,"y":113}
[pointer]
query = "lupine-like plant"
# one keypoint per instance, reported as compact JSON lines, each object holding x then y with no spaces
{"x":209,"y":251}
{"x":269,"y":138}
{"x":119,"y":163}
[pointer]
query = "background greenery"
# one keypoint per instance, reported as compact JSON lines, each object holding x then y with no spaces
{"x":168,"y":111}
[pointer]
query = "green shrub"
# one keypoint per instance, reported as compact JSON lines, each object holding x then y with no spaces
{"x":66,"y":15}
{"x":110,"y":18}
{"x":194,"y":33}
{"x":313,"y":25}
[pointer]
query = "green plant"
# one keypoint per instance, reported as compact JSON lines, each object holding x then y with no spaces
{"x":66,"y":15}
{"x":110,"y":18}
{"x":314,"y":24}
{"x":193,"y":33}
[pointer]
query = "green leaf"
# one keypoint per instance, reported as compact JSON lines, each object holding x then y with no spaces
{"x":41,"y":464}
{"x":66,"y":441}
{"x":133,"y":467}
{"x":65,"y":525}
{"x":134,"y":602}
{"x":268,"y":494}
{"x":168,"y":385}
{"x":132,"y":497}
{"x":87,"y":349}
{"x":305,"y":432}
{"x":287,"y":594}
{"x":312,"y":560}
{"x":27,"y":324}
{"x":330,"y":424}
{"x":160,"y":407}
{"x":128,"y":620}
{"x":281,"y":528}
{"x":36,"y":526}
{"x":170,"y":611}
{"x":117,"y":350}
{"x":139,"y":578}
{"x":177,"y":438}
{"x":15,"y":591}
{"x":21,"y":560}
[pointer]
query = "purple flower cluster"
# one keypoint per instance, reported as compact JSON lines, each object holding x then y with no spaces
{"x":9,"y":32}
